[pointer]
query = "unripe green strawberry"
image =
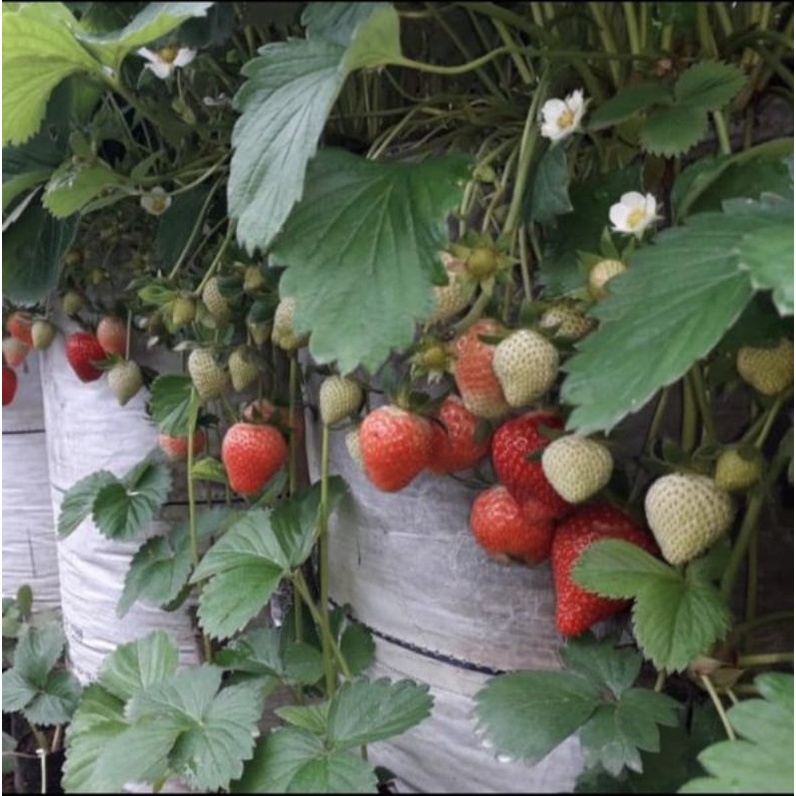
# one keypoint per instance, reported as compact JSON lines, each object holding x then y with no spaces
{"x":207,"y":375}
{"x":566,"y":322}
{"x":768,"y":370}
{"x":253,"y":278}
{"x":482,"y":263}
{"x":242,"y":368}
{"x":215,"y":302}
{"x":738,"y":468}
{"x":354,"y":449}
{"x":687,"y":514}
{"x":526,"y":364}
{"x":43,"y":333}
{"x":601,"y":273}
{"x":452,"y":298}
{"x":72,"y":302}
{"x":339,"y":397}
{"x":125,"y":380}
{"x":260,"y":332}
{"x":183,"y":311}
{"x":577,"y":467}
{"x":283,"y":333}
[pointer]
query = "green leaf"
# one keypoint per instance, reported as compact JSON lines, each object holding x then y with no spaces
{"x":550,"y":193}
{"x":364,"y":712}
{"x":616,"y":733}
{"x":14,"y":186}
{"x":171,"y":402}
{"x":160,"y":569}
{"x":313,"y":718}
{"x":209,"y":469}
{"x":133,"y":667}
{"x":72,"y":187}
{"x":79,"y":500}
{"x":38,"y":649}
{"x":335,"y":22}
{"x":55,"y":701}
{"x":686,"y":290}
{"x":292,"y":760}
{"x":156,"y":20}
{"x":97,"y":721}
{"x":673,"y":130}
{"x":631,"y":99}
{"x":122,"y":510}
{"x":39,"y":51}
{"x":709,"y":86}
{"x":528,"y":714}
{"x":213,"y":729}
{"x":602,"y":663}
{"x":366,"y":235}
{"x":676,"y":616}
{"x":33,"y":251}
{"x":284,"y":104}
{"x":357,"y":647}
{"x":762,"y":760}
{"x":177,"y":223}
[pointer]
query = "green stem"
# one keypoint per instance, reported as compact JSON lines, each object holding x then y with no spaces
{"x":293,"y":386}
{"x":460,"y":69}
{"x":764,"y":659}
{"x":703,"y":402}
{"x":724,"y":18}
{"x":43,"y":768}
{"x":719,"y":707}
{"x":747,"y":531}
{"x":689,"y":418}
{"x":760,"y":621}
{"x":769,"y":422}
{"x":522,"y":67}
{"x":751,"y":578}
{"x":323,"y":555}
{"x":725,"y":147}
{"x":607,"y":39}
{"x":660,"y":681}
{"x":706,"y":38}
{"x":666,"y":37}
{"x":525,"y":266}
{"x":217,"y":259}
{"x":649,"y":440}
{"x":474,"y":314}
{"x":632,"y":27}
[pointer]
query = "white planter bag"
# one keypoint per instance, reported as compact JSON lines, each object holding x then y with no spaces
{"x":29,"y":546}
{"x":87,"y":431}
{"x":444,"y":614}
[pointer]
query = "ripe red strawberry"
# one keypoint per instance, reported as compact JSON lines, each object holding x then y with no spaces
{"x":512,"y":443}
{"x":19,"y":325}
{"x":112,"y":335}
{"x":14,"y":351}
{"x":498,"y":524}
{"x":475,"y":378}
{"x":577,"y":609}
{"x":176,"y":447}
{"x":82,"y":351}
{"x":252,"y":455}
{"x":9,"y":385}
{"x":456,"y":448}
{"x":396,"y":446}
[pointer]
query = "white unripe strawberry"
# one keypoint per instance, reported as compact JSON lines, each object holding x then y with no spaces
{"x":687,"y":514}
{"x":577,"y":467}
{"x":526,"y":365}
{"x":125,"y":380}
{"x":339,"y":397}
{"x":207,"y":375}
{"x":601,"y":273}
{"x":768,"y":370}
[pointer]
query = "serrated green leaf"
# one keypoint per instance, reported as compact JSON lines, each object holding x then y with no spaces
{"x":55,"y":701}
{"x":213,"y":729}
{"x":631,"y":99}
{"x":156,"y":20}
{"x":72,"y":187}
{"x":38,"y":649}
{"x":290,"y":90}
{"x":313,"y":718}
{"x":618,"y":569}
{"x":14,"y":186}
{"x":33,"y":250}
{"x":383,"y":262}
{"x":171,"y":402}
{"x":39,"y":51}
{"x":123,"y":510}
{"x":97,"y":721}
{"x":364,"y":712}
{"x":602,"y":663}
{"x":550,"y":192}
{"x":17,"y":691}
{"x":709,"y":86}
{"x":335,"y":22}
{"x":762,"y":760}
{"x":79,"y":500}
{"x":133,"y":667}
{"x":687,"y":289}
{"x":673,"y":130}
{"x":357,"y":647}
{"x":292,"y":760}
{"x":528,"y":714}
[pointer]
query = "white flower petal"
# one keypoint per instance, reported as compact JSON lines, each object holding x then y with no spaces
{"x":618,"y":216}
{"x":552,"y":131}
{"x":144,"y":52}
{"x":633,"y":200}
{"x":161,"y":69}
{"x":575,"y":99}
{"x":552,"y":109}
{"x":651,"y":206}
{"x":184,"y":56}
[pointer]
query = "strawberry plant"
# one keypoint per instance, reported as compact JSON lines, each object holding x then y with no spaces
{"x":501,"y":238}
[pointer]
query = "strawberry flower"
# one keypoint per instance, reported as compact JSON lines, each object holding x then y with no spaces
{"x":156,"y":202}
{"x":163,"y":62}
{"x":633,"y":213}
{"x":562,"y":117}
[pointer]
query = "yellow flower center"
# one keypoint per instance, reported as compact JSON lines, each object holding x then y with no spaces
{"x":168,"y":54}
{"x":635,"y":217}
{"x":566,"y":119}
